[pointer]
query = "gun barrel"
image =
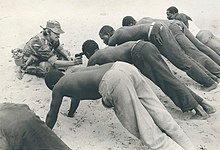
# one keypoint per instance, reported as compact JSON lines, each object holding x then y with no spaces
{"x":79,"y":55}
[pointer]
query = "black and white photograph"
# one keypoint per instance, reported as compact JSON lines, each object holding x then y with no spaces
{"x":109,"y":75}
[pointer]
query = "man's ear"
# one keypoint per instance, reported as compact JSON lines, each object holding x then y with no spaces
{"x":48,"y":32}
{"x":110,"y":34}
{"x":88,"y":55}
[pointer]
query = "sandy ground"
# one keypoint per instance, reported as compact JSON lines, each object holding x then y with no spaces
{"x":95,"y":127}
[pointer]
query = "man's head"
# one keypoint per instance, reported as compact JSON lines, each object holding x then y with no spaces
{"x":171,"y":11}
{"x":53,"y":29}
{"x":52,"y":78}
{"x":128,"y":21}
{"x":105,"y":33}
{"x":89,"y":47}
{"x":54,"y":26}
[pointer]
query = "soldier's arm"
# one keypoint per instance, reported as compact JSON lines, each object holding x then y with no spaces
{"x":31,"y":60}
{"x":65,"y":53}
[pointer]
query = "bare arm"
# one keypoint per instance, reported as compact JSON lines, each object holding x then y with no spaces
{"x":66,"y":63}
{"x":98,"y":58}
{"x":195,"y":41}
{"x":65,"y":53}
{"x":91,"y":63}
{"x":93,"y":60}
{"x":52,"y":115}
{"x":73,"y":107}
{"x":112,"y":43}
{"x":82,"y":68}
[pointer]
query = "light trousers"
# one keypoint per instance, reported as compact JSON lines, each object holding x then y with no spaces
{"x":139,"y":110}
{"x":210,"y":40}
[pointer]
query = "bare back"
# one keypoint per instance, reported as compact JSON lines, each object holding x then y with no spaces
{"x":112,"y":54}
{"x":149,"y":20}
{"x":129,"y":33}
{"x":84,"y":84}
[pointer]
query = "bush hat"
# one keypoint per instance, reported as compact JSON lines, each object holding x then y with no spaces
{"x":54,"y":26}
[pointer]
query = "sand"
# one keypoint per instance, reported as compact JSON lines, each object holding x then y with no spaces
{"x":95,"y":127}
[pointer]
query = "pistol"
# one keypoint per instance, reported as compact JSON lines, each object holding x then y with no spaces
{"x":79,"y":55}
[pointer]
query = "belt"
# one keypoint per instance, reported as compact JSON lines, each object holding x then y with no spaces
{"x":150,"y":30}
{"x":132,"y":48}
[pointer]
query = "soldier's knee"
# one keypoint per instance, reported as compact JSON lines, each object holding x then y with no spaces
{"x":46,"y":66}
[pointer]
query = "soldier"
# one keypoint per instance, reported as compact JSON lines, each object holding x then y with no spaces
{"x":44,"y":52}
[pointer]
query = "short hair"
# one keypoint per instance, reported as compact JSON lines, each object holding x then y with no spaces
{"x":127,"y":20}
{"x":106,"y":29}
{"x":52,"y":78}
{"x":172,"y":10}
{"x":89,"y":46}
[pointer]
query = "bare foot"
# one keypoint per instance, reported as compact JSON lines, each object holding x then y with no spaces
{"x":198,"y":117}
{"x":208,"y":108}
{"x":212,"y":87}
{"x":200,"y":113}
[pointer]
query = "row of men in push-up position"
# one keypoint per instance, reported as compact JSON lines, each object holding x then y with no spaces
{"x":122,"y":86}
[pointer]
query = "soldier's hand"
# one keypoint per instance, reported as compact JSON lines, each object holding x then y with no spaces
{"x":70,"y":58}
{"x":78,"y":61}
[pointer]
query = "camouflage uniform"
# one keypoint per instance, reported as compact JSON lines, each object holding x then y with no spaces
{"x":43,"y":50}
{"x":39,"y":55}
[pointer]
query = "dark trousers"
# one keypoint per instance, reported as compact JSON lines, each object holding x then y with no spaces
{"x":148,"y":60}
{"x":191,"y":50}
{"x":173,"y":52}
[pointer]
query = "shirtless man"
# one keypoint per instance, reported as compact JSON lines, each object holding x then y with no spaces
{"x":187,"y":42}
{"x":204,"y":36}
{"x":22,"y":129}
{"x":146,"y":57}
{"x":180,"y":29}
{"x":120,"y":85}
{"x":164,"y":40}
